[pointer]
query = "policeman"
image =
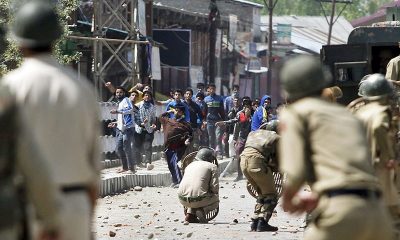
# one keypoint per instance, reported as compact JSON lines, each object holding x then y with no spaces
{"x":21,"y":158}
{"x":258,"y":160}
{"x":377,"y":118}
{"x":323,"y":145}
{"x":199,"y":188}
{"x":62,"y":113}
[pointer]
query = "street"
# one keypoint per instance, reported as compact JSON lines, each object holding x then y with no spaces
{"x":155,"y":213}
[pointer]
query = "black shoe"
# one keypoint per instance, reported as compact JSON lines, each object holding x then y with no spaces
{"x":263,"y":226}
{"x":253,"y":225}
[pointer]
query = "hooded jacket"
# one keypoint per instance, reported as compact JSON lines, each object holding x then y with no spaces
{"x":260,"y":116}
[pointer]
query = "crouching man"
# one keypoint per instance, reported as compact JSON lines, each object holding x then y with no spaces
{"x":198,"y":191}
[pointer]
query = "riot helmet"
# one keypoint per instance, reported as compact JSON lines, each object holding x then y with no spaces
{"x":303,"y":76}
{"x":375,"y":87}
{"x":35,"y":25}
{"x":270,"y":126}
{"x":205,"y":154}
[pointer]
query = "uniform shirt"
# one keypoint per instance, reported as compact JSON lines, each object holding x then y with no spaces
{"x":393,"y":69}
{"x":63,"y":115}
{"x":28,"y":162}
{"x":323,"y":144}
{"x":125,"y":114}
{"x":263,"y":141}
{"x":376,"y":118}
{"x":215,"y":108}
{"x":200,"y":179}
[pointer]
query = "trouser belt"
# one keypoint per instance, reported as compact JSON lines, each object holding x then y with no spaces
{"x":191,"y":199}
{"x":363,"y":193}
{"x":76,"y":188}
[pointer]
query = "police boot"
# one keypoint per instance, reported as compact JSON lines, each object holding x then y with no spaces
{"x":253,"y":225}
{"x":263,"y":226}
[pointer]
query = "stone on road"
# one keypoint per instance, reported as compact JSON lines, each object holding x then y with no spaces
{"x":155,"y":213}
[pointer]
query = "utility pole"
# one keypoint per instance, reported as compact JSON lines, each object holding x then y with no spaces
{"x":270,"y":6}
{"x":331,"y":21}
{"x":213,"y":16}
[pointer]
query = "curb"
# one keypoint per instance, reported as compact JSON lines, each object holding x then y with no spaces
{"x":114,"y":185}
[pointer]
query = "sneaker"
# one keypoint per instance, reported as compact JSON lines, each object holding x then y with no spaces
{"x":173,"y":185}
{"x":149,"y":166}
{"x":122,"y":170}
{"x":132,"y":170}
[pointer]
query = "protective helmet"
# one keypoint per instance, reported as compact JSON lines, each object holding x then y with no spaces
{"x":36,"y":25}
{"x":271,"y":125}
{"x":205,"y":154}
{"x":375,"y":87}
{"x":361,"y":83}
{"x":302,"y":76}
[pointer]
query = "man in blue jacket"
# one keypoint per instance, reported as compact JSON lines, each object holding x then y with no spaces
{"x":178,"y":100}
{"x":261,"y":115}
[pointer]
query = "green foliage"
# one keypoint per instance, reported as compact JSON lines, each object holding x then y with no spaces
{"x":11,"y":57}
{"x":358,"y":8}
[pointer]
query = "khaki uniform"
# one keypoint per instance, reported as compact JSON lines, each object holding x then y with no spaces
{"x":377,"y":118}
{"x":19,"y":155}
{"x":199,"y":187}
{"x":393,"y":69}
{"x":259,"y":146}
{"x":62,"y":114}
{"x":324,"y":145}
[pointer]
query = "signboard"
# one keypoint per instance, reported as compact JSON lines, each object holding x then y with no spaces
{"x":284,"y":33}
{"x":155,"y":63}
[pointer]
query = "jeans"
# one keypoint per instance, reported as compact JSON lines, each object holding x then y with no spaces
{"x":173,"y":157}
{"x":145,"y":145}
{"x":215,"y":137}
{"x":124,"y":148}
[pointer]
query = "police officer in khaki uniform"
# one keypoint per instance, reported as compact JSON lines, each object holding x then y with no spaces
{"x":323,"y":145}
{"x":61,"y":111}
{"x":199,"y":188}
{"x":377,"y":118}
{"x":257,"y":163}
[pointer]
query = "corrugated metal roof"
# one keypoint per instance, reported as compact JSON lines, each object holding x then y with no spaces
{"x":311,"y":32}
{"x":249,"y":3}
{"x":377,"y":16}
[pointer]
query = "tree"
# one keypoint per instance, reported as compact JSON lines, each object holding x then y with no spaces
{"x":10,"y":55}
{"x":355,"y":10}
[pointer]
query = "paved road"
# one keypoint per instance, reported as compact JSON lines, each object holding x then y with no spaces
{"x":156,"y":213}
